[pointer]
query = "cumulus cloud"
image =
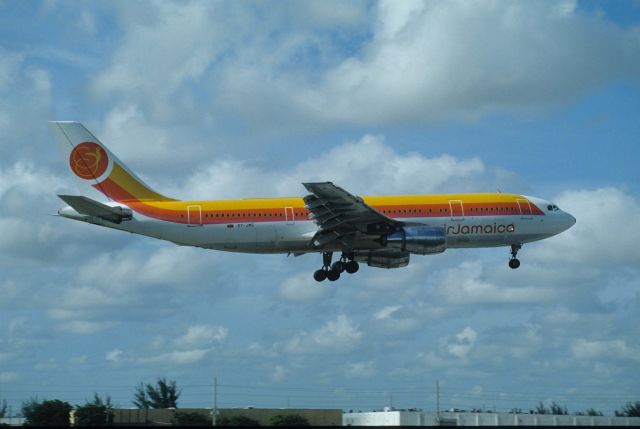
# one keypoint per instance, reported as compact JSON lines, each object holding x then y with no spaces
{"x":393,"y":320}
{"x":596,"y":349}
{"x":25,"y":98}
{"x":360,"y":369}
{"x":168,"y":266}
{"x":178,"y":357}
{"x":412,"y":62}
{"x":302,"y":288}
{"x":382,"y":171}
{"x":338,"y":336}
{"x":462,"y":343}
{"x":279,"y":373}
{"x":468,"y":284}
{"x":604,"y":234}
{"x":429,"y":60}
{"x":201,"y":335}
{"x":114,"y":355}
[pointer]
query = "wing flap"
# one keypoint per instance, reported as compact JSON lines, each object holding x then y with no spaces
{"x":339,"y":214}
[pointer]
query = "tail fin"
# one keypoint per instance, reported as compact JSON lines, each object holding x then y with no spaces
{"x":99,"y":173}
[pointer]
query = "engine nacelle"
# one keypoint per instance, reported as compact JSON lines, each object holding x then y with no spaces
{"x":383,"y":259}
{"x":421,"y":240}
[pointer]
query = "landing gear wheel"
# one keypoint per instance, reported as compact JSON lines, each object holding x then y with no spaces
{"x":352,"y":267}
{"x":338,"y":266}
{"x":333,"y":275}
{"x":514,"y":262}
{"x":320,"y":275}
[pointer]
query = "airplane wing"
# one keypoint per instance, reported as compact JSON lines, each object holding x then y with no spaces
{"x":87,"y":206}
{"x":341,"y":215}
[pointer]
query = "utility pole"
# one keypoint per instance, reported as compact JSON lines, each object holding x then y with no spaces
{"x":438,"y":401}
{"x":214,"y":414}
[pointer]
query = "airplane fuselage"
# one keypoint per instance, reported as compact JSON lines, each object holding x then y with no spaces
{"x":282,"y":225}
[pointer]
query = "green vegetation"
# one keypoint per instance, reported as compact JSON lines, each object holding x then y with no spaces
{"x":288,"y":420}
{"x":630,"y":410}
{"x":95,"y":413}
{"x":163,"y":395}
{"x":46,"y":413}
{"x":553,"y":409}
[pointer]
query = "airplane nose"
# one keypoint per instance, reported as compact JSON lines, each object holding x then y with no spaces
{"x":571,"y":220}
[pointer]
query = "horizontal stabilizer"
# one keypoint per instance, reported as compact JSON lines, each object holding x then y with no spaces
{"x":89,"y":207}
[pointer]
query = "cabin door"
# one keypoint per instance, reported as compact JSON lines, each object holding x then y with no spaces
{"x":289,"y":215}
{"x":194,"y":215}
{"x":457,"y":209}
{"x":525,"y":208}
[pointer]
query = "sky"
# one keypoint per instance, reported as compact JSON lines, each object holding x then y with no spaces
{"x":208,"y":99}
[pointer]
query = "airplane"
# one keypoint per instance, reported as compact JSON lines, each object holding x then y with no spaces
{"x":380,"y":231}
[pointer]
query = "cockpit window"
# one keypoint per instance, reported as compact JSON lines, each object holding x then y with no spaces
{"x":552,"y":207}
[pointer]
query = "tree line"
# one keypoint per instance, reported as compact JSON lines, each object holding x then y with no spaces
{"x":99,"y":412}
{"x":165,"y":394}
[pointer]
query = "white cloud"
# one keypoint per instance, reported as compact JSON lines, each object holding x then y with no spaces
{"x":279,"y":373}
{"x":178,"y":357}
{"x":387,"y":311}
{"x":114,"y":355}
{"x":604,"y":234}
{"x":201,"y":336}
{"x":302,"y":288}
{"x":415,"y":61}
{"x":167,"y":266}
{"x":338,"y":336}
{"x":463,"y":342}
{"x":81,"y":326}
{"x":382,"y":171}
{"x":25,"y":99}
{"x":8,"y":376}
{"x":469,"y":283}
{"x":360,"y":369}
{"x":429,"y":60}
{"x":597,"y":349}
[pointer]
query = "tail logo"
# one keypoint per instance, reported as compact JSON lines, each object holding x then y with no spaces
{"x":88,"y":160}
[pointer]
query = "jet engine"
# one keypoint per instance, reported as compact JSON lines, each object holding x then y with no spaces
{"x":383,"y":258}
{"x":421,"y":240}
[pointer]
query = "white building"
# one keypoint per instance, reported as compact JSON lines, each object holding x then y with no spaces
{"x":420,"y":418}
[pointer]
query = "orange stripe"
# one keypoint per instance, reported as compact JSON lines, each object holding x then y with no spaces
{"x":126,"y":189}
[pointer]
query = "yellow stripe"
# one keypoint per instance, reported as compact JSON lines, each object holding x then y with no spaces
{"x":130,"y":184}
{"x":297,"y":202}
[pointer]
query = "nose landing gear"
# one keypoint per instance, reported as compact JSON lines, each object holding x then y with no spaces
{"x":332,"y":271}
{"x":514,"y":262}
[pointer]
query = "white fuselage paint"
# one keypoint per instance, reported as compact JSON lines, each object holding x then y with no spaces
{"x":296,"y":236}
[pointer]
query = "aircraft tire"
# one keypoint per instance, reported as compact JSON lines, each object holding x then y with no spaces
{"x":352,"y":267}
{"x":338,"y":266}
{"x":333,"y":275}
{"x":514,"y":263}
{"x":319,"y":275}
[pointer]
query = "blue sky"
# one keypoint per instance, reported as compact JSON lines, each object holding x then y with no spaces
{"x":240,"y":99}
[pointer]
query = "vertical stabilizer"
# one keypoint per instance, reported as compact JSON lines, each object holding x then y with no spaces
{"x":99,"y":174}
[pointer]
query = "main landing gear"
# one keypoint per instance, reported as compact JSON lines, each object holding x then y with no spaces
{"x":332,"y":271}
{"x":514,"y":262}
